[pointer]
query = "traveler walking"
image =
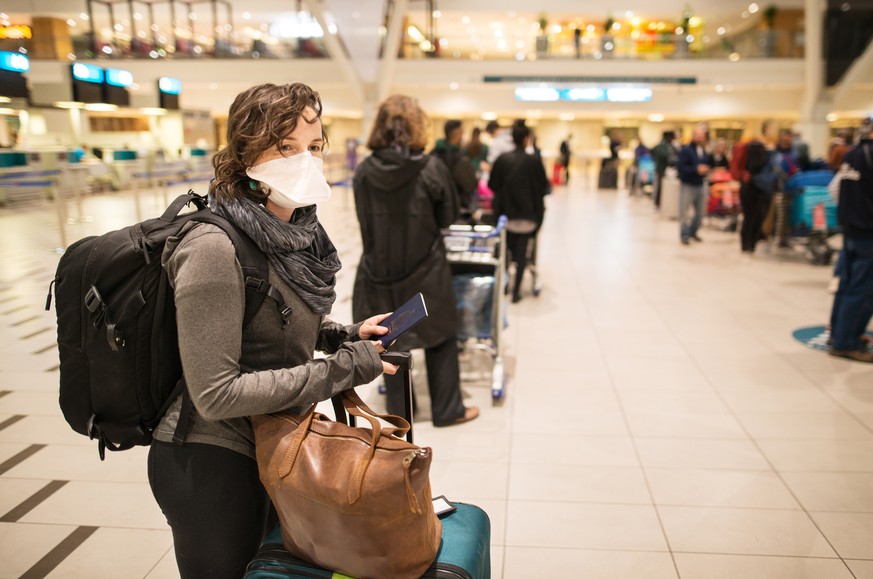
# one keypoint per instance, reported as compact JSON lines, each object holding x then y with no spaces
{"x":694,"y":165}
{"x":519,"y":182}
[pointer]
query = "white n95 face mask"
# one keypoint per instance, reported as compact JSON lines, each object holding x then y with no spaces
{"x":295,"y":181}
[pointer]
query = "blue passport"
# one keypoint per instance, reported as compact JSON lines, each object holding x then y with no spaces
{"x":403,"y":319}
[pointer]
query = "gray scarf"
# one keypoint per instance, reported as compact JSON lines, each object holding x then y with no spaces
{"x":300,"y":250}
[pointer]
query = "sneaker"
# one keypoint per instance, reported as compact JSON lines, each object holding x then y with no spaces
{"x":856,"y":355}
{"x":685,"y":241}
{"x":516,"y":298}
{"x":696,"y":237}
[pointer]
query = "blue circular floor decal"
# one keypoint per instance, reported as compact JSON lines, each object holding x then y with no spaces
{"x":816,"y":337}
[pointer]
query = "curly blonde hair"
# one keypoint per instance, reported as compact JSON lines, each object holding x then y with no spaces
{"x":400,"y":122}
{"x":259,"y":118}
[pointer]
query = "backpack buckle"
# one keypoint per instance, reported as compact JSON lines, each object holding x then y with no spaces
{"x":255,"y":283}
{"x":286,"y":315}
{"x":93,"y":300}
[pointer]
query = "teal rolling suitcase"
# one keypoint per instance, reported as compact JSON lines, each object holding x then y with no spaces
{"x":465,"y":548}
{"x":464,"y":553}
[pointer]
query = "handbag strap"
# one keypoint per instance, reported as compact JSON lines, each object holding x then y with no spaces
{"x":355,"y":407}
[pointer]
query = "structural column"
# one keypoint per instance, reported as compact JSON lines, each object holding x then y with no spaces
{"x":816,"y":105}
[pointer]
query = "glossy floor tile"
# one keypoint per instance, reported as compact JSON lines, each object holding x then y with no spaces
{"x":659,"y":419}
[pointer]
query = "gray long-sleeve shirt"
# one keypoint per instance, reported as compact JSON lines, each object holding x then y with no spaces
{"x":233,"y":373}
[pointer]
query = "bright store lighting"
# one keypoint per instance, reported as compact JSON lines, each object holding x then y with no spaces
{"x":5,"y":111}
{"x":567,"y":116}
{"x":101,"y":107}
{"x":489,"y":116}
{"x":465,"y":20}
{"x":656,"y":118}
{"x":453,"y":86}
{"x":247,"y":16}
{"x":734,"y":56}
{"x":753,"y":8}
{"x":4,"y":99}
{"x":831,"y":117}
{"x":437,"y":14}
{"x":721,"y":31}
{"x":83,"y":16}
{"x":71,"y":22}
{"x":414,"y":33}
{"x":69,"y":104}
{"x":719,"y":88}
{"x":153,"y":111}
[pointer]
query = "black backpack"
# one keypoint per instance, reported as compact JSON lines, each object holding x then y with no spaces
{"x":117,"y":339}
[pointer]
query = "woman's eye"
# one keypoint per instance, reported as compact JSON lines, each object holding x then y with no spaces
{"x":286,"y":148}
{"x":315,"y":148}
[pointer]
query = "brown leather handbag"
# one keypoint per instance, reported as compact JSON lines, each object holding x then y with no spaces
{"x":349,"y":499}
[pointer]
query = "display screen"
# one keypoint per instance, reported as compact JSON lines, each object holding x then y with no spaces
{"x":13,"y":84}
{"x":87,"y":72}
{"x":169,"y":85}
{"x":14,"y":62}
{"x":116,"y":95}
{"x":118,"y":77}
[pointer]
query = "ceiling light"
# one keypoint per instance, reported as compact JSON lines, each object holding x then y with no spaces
{"x":453,"y":86}
{"x":247,"y":15}
{"x":489,"y":116}
{"x":101,"y":107}
{"x":414,"y":33}
{"x":721,"y":31}
{"x":69,"y":104}
{"x":831,"y":117}
{"x":71,"y":22}
{"x":656,"y":118}
{"x":83,"y":16}
{"x":734,"y":56}
{"x":719,"y":88}
{"x":465,"y":20}
{"x":753,"y":8}
{"x":567,"y":116}
{"x":437,"y":14}
{"x":537,"y":94}
{"x":153,"y":111}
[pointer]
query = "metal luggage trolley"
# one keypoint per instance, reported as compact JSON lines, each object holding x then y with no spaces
{"x":477,"y":255}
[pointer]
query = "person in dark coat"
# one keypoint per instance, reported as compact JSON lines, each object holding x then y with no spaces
{"x":403,"y":198}
{"x":519,"y":182}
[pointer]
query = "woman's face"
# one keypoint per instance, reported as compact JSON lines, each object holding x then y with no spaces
{"x":305,"y":137}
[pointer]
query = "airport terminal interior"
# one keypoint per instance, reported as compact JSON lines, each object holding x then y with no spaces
{"x":652,"y":407}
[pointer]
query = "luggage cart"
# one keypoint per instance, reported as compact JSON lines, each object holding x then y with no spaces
{"x":477,"y":255}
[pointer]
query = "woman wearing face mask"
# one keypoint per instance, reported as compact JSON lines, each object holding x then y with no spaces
{"x":403,"y":198}
{"x":268,"y":181}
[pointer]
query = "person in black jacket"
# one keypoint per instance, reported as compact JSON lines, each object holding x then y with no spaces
{"x":403,"y":198}
{"x":520,"y":184}
{"x":853,"y":304}
{"x":694,"y":165}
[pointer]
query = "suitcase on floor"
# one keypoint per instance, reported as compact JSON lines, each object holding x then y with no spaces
{"x":608,"y":176}
{"x":464,"y":553}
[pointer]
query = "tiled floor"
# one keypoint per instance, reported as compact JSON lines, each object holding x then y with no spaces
{"x":660,"y":419}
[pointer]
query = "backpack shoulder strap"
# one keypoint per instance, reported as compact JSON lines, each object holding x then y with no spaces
{"x":254,"y":267}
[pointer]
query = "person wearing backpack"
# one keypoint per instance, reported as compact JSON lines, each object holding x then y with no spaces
{"x":853,"y":304}
{"x":753,"y":164}
{"x":268,"y":181}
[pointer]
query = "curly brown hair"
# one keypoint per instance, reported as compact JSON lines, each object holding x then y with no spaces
{"x":400,"y":122}
{"x":259,"y":118}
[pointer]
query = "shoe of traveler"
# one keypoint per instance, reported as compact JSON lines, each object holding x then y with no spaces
{"x":685,"y":241}
{"x":470,"y":413}
{"x":516,"y":298}
{"x":696,"y":237}
{"x":856,"y":355}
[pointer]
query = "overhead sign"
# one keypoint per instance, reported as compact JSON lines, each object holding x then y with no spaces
{"x":593,"y":79}
{"x":87,"y":72}
{"x":14,"y":62}
{"x":588,"y":94}
{"x":169,"y":85}
{"x":118,"y":77}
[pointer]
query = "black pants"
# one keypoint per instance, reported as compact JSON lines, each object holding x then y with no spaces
{"x":755,"y":204}
{"x":517,"y":244}
{"x":443,"y":381}
{"x":659,"y":181}
{"x":215,"y":504}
